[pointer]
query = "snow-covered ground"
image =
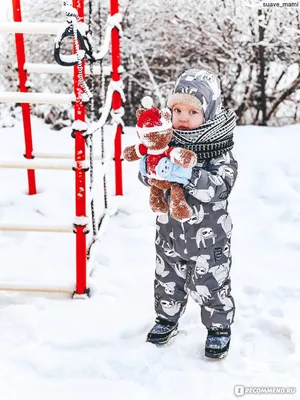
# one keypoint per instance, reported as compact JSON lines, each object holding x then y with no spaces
{"x":6,"y":10}
{"x":63,"y":349}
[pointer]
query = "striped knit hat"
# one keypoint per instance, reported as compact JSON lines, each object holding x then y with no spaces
{"x":200,"y":89}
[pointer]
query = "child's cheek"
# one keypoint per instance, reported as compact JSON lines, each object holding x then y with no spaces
{"x":174,"y":121}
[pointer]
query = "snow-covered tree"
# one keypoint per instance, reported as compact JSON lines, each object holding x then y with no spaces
{"x":254,"y":51}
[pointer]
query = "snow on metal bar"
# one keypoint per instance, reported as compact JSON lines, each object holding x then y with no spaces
{"x":101,"y":172}
{"x":61,"y":156}
{"x":112,"y":87}
{"x":47,"y":28}
{"x":104,"y":223}
{"x":31,"y":287}
{"x":59,"y":69}
{"x":37,"y":164}
{"x":103,"y":169}
{"x":36,"y":228}
{"x":112,"y":22}
{"x":37,"y":98}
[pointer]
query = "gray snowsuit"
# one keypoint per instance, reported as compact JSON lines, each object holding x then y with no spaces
{"x":193,"y":258}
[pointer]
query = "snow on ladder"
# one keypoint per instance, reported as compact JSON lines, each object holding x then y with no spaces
{"x":43,"y":28}
{"x":37,"y":98}
{"x":62,"y":165}
{"x":43,"y":68}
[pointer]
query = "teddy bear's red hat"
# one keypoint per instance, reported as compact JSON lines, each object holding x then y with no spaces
{"x":154,"y":120}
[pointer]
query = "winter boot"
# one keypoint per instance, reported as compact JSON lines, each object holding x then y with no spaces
{"x":162,"y":331}
{"x":217,"y":342}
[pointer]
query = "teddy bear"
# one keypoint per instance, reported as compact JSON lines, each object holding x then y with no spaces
{"x":154,"y":129}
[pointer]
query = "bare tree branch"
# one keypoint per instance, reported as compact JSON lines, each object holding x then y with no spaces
{"x":284,"y":95}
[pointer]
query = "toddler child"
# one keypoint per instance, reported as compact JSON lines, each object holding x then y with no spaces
{"x":194,"y":257}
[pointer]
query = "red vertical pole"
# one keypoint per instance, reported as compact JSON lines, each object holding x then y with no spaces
{"x":20,"y":50}
{"x":80,"y":178}
{"x":116,"y":100}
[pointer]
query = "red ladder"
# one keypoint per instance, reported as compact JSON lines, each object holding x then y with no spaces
{"x":18,"y":27}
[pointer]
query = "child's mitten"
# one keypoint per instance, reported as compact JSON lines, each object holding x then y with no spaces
{"x":166,"y":169}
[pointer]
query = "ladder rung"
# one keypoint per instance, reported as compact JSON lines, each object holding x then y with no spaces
{"x":21,"y":287}
{"x":61,"y":156}
{"x":48,"y":28}
{"x":65,"y":165}
{"x":59,"y":69}
{"x":36,"y":228}
{"x":37,"y":98}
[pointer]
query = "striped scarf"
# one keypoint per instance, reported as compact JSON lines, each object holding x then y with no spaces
{"x":210,"y":140}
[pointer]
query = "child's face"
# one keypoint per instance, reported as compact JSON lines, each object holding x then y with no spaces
{"x":186,"y":117}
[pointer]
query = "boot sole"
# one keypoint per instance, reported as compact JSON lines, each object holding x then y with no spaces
{"x":161,"y":342}
{"x":216,"y":357}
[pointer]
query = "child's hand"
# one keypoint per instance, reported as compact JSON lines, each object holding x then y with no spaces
{"x":166,"y":169}
{"x":143,"y":168}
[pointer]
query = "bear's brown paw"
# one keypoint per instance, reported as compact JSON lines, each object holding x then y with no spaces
{"x":160,"y":206}
{"x":181,"y":212}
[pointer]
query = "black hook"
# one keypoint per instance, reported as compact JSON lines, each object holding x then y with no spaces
{"x":68,"y":60}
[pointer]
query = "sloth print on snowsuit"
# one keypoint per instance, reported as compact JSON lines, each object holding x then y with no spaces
{"x":193,"y":257}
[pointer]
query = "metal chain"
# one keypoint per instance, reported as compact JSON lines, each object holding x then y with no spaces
{"x":91,"y":137}
{"x":79,"y":65}
{"x":102,"y":98}
{"x":92,"y":117}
